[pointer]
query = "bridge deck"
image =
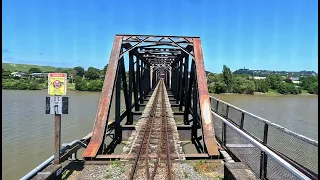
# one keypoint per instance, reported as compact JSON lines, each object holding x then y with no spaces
{"x":180,"y":169}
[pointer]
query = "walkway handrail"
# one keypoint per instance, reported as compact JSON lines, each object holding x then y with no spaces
{"x":47,"y":162}
{"x":265,"y":149}
{"x":299,"y":136}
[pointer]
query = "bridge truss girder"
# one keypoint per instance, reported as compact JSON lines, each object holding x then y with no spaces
{"x":149,"y":57}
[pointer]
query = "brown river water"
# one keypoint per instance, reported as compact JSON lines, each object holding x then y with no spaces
{"x":27,"y":132}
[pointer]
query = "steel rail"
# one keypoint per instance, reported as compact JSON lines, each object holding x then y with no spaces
{"x":159,"y":143}
{"x":169,"y":173}
{"x":133,"y":171}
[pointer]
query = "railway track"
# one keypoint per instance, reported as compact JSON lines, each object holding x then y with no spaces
{"x":156,"y":130}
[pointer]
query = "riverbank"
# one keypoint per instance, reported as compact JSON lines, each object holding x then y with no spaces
{"x":71,"y":87}
{"x":270,"y":93}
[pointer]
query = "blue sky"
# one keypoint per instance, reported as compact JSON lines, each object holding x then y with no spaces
{"x":257,"y":34}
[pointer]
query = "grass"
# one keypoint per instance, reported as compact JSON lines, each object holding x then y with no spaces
{"x":272,"y":92}
{"x":108,"y":174}
{"x":186,"y":175}
{"x":71,"y":87}
{"x":220,"y":177}
{"x":25,"y":67}
{"x":116,"y":163}
{"x":213,"y":170}
{"x":122,"y":170}
{"x":198,"y":166}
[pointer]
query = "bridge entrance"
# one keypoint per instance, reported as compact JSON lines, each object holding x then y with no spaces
{"x":175,"y":60}
{"x":160,"y":82}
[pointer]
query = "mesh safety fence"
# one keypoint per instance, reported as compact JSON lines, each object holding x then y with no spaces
{"x":299,"y":149}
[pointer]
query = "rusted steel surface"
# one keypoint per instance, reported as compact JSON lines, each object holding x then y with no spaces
{"x":104,"y":102}
{"x":152,"y":155}
{"x":143,"y":35}
{"x":57,"y":138}
{"x":204,"y":98}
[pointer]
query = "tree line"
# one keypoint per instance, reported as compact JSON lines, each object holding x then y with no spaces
{"x":225,"y":82}
{"x":84,"y":80}
{"x":228,"y":82}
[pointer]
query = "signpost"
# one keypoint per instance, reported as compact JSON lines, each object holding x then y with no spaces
{"x":57,"y":104}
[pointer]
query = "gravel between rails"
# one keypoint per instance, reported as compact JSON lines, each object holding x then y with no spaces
{"x":99,"y":172}
{"x":182,"y":171}
{"x":186,"y":171}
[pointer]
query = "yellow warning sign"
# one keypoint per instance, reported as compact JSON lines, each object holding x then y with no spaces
{"x":57,"y":84}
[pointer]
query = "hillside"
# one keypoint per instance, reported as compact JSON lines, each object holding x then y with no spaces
{"x":265,"y":73}
{"x":25,"y":67}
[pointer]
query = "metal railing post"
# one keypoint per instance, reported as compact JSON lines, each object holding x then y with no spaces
{"x":217,"y":106}
{"x":227,"y":112}
{"x":224,"y":134}
{"x":264,"y":157}
{"x":242,"y":120}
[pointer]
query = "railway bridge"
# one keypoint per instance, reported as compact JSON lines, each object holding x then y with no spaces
{"x":166,"y":108}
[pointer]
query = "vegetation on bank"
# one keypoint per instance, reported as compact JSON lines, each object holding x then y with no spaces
{"x":225,"y":82}
{"x":78,"y":79}
{"x":26,"y":67}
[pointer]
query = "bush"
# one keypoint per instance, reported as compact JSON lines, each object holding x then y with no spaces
{"x":95,"y":85}
{"x":41,"y":80}
{"x":307,"y":82}
{"x":219,"y":87}
{"x":22,"y":85}
{"x":34,"y":85}
{"x":241,"y":85}
{"x":81,"y":84}
{"x":313,"y":88}
{"x":274,"y":81}
{"x":288,"y":88}
{"x":16,"y":77}
{"x":261,"y":86}
{"x":8,"y":84}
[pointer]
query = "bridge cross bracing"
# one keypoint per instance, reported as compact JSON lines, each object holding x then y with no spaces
{"x":178,"y":60}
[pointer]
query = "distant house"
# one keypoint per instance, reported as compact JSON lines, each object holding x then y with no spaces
{"x":39,"y":74}
{"x":17,"y":74}
{"x":295,"y":80}
{"x":256,"y":77}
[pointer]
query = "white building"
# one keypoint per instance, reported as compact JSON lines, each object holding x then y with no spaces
{"x":257,"y":77}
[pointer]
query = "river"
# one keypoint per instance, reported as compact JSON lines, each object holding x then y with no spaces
{"x":27,"y":132}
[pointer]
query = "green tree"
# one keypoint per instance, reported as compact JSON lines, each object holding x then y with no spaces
{"x":261,"y":85}
{"x":241,"y":85}
{"x":288,"y":88}
{"x":219,"y":87}
{"x":79,"y":71}
{"x":41,"y":80}
{"x":274,"y":81}
{"x":22,"y":85}
{"x":95,"y":85}
{"x":104,"y":69}
{"x":92,"y":73}
{"x":227,"y":77}
{"x":34,"y":85}
{"x":210,"y":78}
{"x":306,"y":82}
{"x":313,"y":88}
{"x":34,"y":70}
{"x":81,"y":84}
{"x":287,"y":80}
{"x":8,"y":84}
